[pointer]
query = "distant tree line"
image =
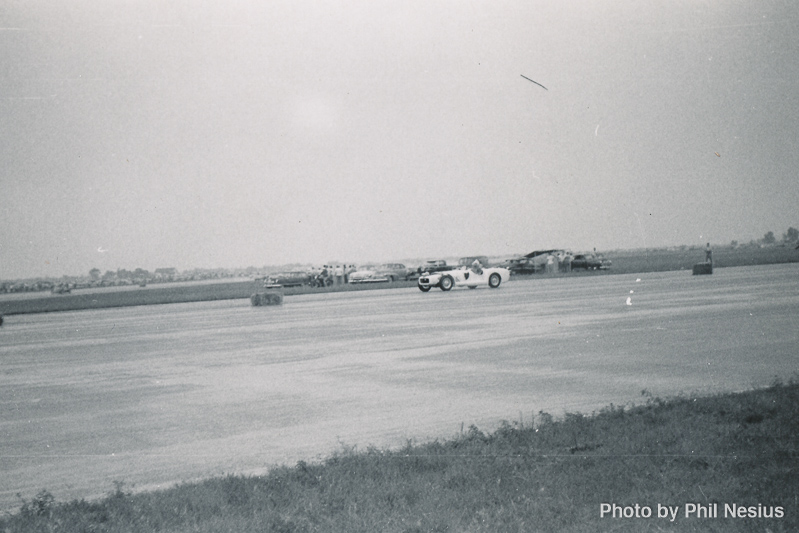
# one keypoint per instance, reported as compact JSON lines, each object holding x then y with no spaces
{"x":789,"y":237}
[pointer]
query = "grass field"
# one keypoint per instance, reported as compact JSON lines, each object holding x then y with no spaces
{"x":660,"y":260}
{"x":720,"y":463}
{"x":624,"y":262}
{"x":110,"y":297}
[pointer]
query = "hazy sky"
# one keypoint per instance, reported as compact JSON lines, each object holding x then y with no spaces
{"x":233,"y":133}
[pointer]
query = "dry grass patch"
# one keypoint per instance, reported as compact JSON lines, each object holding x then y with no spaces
{"x":553,"y":475}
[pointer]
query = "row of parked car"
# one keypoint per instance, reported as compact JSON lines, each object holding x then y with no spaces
{"x":532,"y":263}
{"x":559,"y":260}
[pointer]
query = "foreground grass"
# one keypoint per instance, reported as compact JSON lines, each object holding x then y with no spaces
{"x":740,"y":449}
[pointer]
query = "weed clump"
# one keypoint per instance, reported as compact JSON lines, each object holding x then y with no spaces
{"x":41,"y":505}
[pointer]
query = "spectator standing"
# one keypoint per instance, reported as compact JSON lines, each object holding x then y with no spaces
{"x":550,"y":264}
{"x":567,"y":262}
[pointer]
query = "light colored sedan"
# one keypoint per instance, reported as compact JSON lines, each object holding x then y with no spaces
{"x":366,"y":274}
{"x":379,"y":273}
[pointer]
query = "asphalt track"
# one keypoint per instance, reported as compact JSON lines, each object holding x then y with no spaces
{"x":155,"y":395}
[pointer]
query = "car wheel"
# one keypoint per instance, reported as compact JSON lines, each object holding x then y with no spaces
{"x":446,"y":283}
{"x":494,"y":280}
{"x":423,"y":289}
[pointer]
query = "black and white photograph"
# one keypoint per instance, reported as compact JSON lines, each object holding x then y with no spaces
{"x":407,"y":267}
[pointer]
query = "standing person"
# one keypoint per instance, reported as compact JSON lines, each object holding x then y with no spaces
{"x":708,"y":254}
{"x":550,"y":264}
{"x":339,"y":272}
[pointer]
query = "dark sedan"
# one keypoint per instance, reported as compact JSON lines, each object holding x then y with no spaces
{"x":288,"y":279}
{"x":522,"y":265}
{"x":590,"y":262}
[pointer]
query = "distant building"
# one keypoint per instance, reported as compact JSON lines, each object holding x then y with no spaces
{"x":166,"y":273}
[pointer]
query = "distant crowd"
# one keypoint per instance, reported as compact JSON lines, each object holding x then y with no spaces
{"x":329,"y":275}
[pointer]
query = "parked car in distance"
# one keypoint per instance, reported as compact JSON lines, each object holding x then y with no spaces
{"x":590,"y":262}
{"x":379,"y":273}
{"x":522,"y":265}
{"x":395,"y":271}
{"x":435,"y":265}
{"x":531,"y":263}
{"x":61,"y":289}
{"x":296,"y":278}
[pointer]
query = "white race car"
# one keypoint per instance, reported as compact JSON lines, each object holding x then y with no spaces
{"x":463,"y":277}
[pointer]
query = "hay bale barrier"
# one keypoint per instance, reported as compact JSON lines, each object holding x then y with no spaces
{"x":260,"y":299}
{"x":703,"y":268}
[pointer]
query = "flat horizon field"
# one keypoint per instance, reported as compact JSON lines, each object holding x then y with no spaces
{"x":624,"y":262}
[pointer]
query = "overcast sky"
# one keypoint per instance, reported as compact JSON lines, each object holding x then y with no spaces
{"x":234,"y":133}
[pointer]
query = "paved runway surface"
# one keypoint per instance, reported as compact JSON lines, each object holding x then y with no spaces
{"x":155,"y":395}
